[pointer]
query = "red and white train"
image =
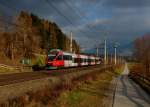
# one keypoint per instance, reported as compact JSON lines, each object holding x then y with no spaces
{"x":60,"y":59}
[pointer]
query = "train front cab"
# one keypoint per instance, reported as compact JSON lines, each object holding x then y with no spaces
{"x":54,"y":60}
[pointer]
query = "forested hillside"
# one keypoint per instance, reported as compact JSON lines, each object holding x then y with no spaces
{"x":30,"y":35}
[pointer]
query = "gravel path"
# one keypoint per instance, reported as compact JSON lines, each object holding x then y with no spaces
{"x":129,"y":94}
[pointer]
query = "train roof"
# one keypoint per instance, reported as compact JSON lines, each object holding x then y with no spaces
{"x":68,"y":53}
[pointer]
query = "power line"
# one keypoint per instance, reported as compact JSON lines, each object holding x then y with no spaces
{"x":51,"y":4}
{"x":12,"y":9}
{"x":68,"y":5}
{"x":78,"y":11}
{"x":60,"y":13}
{"x":75,"y":8}
{"x":56,"y":9}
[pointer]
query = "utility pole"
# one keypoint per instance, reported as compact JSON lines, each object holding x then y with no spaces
{"x":111,"y":58}
{"x":115,"y":46}
{"x":71,"y":42}
{"x":24,"y":43}
{"x":97,"y":52}
{"x":115,"y":55}
{"x":105,"y":52}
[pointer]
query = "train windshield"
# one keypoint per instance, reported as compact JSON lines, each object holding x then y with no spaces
{"x":51,"y":57}
{"x":54,"y":53}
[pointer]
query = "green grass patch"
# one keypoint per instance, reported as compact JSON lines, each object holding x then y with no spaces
{"x":39,"y":60}
{"x":119,"y":70}
{"x":72,"y":98}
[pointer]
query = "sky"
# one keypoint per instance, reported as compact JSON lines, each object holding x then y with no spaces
{"x":91,"y":21}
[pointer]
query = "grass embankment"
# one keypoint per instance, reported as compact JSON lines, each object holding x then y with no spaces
{"x":7,"y":69}
{"x":4,"y":70}
{"x":89,"y":90}
{"x":14,"y":69}
{"x":4,"y":60}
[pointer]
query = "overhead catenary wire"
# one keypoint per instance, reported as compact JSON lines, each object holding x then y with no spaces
{"x":73,"y":9}
{"x":79,"y":13}
{"x":64,"y":16}
{"x":55,"y":8}
{"x":58,"y":11}
{"x":14,"y":9}
{"x":76,"y":12}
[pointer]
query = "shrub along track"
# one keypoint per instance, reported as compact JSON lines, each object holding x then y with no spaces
{"x":43,"y":93}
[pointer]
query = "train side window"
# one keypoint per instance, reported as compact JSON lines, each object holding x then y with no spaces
{"x":70,"y":57}
{"x":67,"y":57}
{"x":86,"y":60}
{"x":89,"y":60}
{"x":82,"y":60}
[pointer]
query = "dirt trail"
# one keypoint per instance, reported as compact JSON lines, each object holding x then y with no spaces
{"x":130,"y":94}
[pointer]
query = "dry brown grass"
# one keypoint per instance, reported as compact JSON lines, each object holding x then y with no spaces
{"x":85,"y":91}
{"x":90,"y":91}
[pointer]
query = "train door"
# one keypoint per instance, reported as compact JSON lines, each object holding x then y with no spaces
{"x":74,"y":60}
{"x":78,"y":60}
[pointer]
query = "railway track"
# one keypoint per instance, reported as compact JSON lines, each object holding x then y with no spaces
{"x":7,"y":79}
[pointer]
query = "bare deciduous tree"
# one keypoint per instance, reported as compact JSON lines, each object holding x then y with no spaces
{"x":142,"y":52}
